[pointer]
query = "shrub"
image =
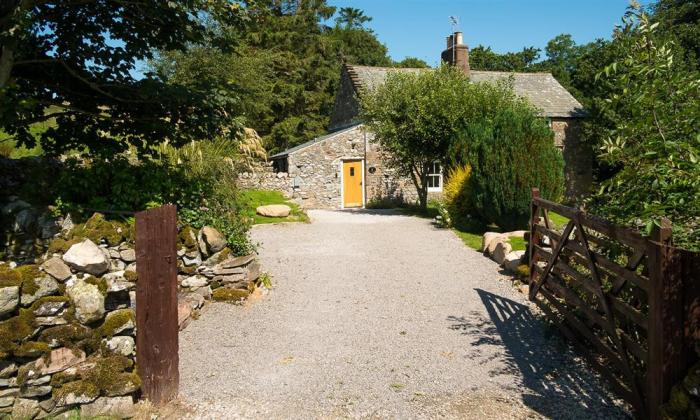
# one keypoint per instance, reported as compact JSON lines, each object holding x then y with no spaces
{"x":457,"y":193}
{"x":510,"y":153}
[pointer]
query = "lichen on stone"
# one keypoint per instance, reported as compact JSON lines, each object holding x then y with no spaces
{"x":97,"y":228}
{"x":131,"y":276}
{"x":64,"y":335}
{"x":80,"y":387}
{"x":188,"y":238}
{"x":99,"y":282}
{"x":229,"y":295}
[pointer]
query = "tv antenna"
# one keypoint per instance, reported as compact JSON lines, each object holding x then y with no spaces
{"x":454,"y":21}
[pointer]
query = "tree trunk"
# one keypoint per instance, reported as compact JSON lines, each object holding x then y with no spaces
{"x":420,"y":181}
{"x":7,"y":59}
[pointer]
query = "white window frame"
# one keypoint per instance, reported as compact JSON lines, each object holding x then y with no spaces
{"x":439,"y":176}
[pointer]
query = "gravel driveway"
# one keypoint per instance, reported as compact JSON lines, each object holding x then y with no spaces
{"x":379,"y":315}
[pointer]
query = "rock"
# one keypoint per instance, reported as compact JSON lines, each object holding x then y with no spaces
{"x":116,"y":282}
{"x":50,"y":321}
{"x":25,"y":408}
{"x":126,"y":383}
{"x":502,"y":249}
{"x":515,"y":233}
{"x":253,"y":271}
{"x":512,"y":260}
{"x":121,"y":344}
{"x":47,"y":286}
{"x":524,"y":289}
{"x":192,"y":258}
{"x":89,"y":302}
{"x":195,"y":281}
{"x":6,"y":401}
{"x":121,"y":320}
{"x":7,"y":369}
{"x":56,"y":268}
{"x":9,"y":299}
{"x":195,"y":300}
{"x":184,"y":311}
{"x":205,"y":292}
{"x":35,"y":391}
{"x":237,"y":279}
{"x":9,"y":392}
{"x":59,"y":360}
{"x":220,"y":271}
{"x":491,"y":247}
{"x":238,"y":261}
{"x":213,"y":240}
{"x":114,"y":253}
{"x":51,"y":308}
{"x":116,"y":265}
{"x":487,"y":238}
{"x":111,"y":407}
{"x":87,"y":257}
{"x":274,"y":210}
{"x":76,"y":392}
{"x":128,"y":255}
{"x":217,"y":258}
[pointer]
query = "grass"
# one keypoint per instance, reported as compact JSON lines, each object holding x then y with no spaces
{"x":9,"y":148}
{"x":252,"y":199}
{"x":558,"y":220}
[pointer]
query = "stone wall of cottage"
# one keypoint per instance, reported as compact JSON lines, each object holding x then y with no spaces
{"x":578,"y":156}
{"x":383,"y":183}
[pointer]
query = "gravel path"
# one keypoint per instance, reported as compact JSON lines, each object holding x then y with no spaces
{"x":378,"y":315}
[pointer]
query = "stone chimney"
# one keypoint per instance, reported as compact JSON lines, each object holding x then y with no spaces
{"x":457,"y":53}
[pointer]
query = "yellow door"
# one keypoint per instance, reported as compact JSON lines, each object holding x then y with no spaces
{"x":352,"y":183}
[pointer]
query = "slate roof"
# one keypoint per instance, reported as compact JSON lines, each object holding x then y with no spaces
{"x":541,"y":89}
{"x":312,"y":142}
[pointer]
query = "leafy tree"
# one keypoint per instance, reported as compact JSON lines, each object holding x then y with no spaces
{"x":483,"y":58}
{"x":360,"y":46}
{"x":352,"y":18}
{"x":416,"y":117}
{"x":412,"y":63}
{"x":510,"y":150}
{"x":655,"y":142}
{"x":73,"y":62}
{"x":681,"y":20}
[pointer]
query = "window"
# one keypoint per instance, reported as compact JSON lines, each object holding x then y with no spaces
{"x":435,"y":177}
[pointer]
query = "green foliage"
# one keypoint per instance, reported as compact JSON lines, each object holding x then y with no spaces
{"x":511,"y":151}
{"x":655,"y":142}
{"x":456,"y":193}
{"x":252,"y":199}
{"x":416,"y":117}
{"x":412,"y":63}
{"x":74,"y":62}
{"x":483,"y":58}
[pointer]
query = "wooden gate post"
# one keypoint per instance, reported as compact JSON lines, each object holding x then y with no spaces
{"x":156,"y":303}
{"x":533,"y":238}
{"x":668,"y":353}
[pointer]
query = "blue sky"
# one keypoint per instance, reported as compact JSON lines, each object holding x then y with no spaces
{"x":418,"y":27}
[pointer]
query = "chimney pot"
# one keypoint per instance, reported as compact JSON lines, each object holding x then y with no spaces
{"x":458,"y":38}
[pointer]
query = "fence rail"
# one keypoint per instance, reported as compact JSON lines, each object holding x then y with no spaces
{"x":631,"y":304}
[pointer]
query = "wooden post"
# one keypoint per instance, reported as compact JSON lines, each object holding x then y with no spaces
{"x":156,"y":303}
{"x":668,"y":353}
{"x":533,"y":239}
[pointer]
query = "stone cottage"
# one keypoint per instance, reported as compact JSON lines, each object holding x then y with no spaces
{"x":345,"y":169}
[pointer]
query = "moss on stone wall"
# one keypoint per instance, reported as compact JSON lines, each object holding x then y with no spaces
{"x":116,"y":320}
{"x":32,"y":349}
{"x":62,"y":245}
{"x":14,"y":330}
{"x":100,"y":283}
{"x":65,"y":335}
{"x":131,"y":276}
{"x":229,"y":295}
{"x":22,"y":276}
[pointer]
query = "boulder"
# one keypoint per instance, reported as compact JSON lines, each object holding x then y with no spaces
{"x":254,"y":271}
{"x":87,"y":257}
{"x":110,"y":407}
{"x":56,"y":268}
{"x":46,"y":286}
{"x":89,"y":302}
{"x":502,"y":249}
{"x":274,"y":210}
{"x":9,"y":299}
{"x":128,"y":255}
{"x":491,"y":247}
{"x":213,"y":240}
{"x":487,"y":238}
{"x":205,"y":292}
{"x":121,"y":344}
{"x":116,"y":282}
{"x":192,"y":258}
{"x":518,"y":233}
{"x":195,"y":281}
{"x":513,"y":260}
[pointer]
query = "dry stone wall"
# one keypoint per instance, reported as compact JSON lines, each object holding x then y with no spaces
{"x":68,"y":318}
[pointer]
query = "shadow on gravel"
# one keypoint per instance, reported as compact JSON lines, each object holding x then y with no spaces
{"x":554,"y":382}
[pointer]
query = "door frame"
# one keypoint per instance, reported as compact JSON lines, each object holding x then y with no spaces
{"x":342,"y":180}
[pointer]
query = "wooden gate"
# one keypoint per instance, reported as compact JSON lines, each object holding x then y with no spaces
{"x":629,"y":303}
